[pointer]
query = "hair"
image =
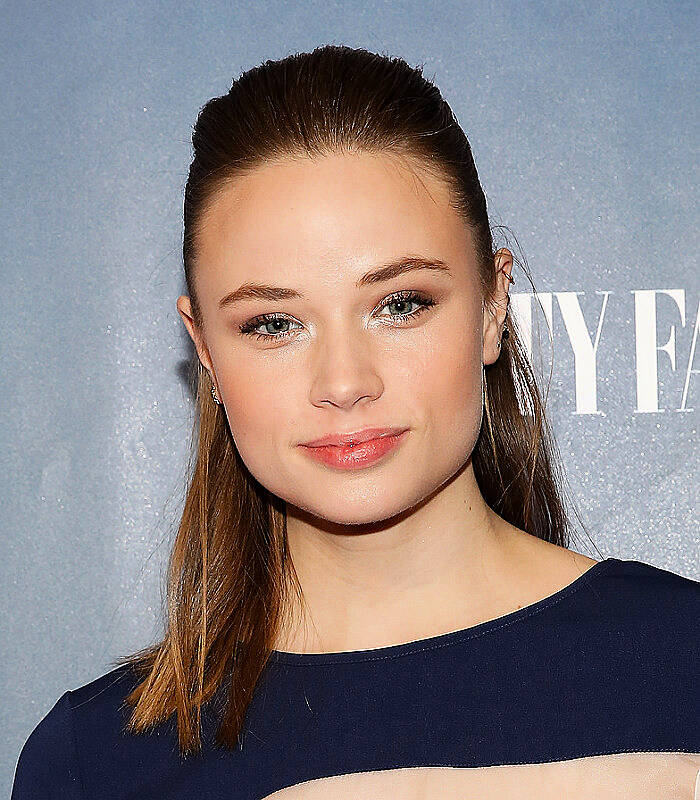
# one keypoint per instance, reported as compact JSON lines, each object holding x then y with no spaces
{"x":229,"y":573}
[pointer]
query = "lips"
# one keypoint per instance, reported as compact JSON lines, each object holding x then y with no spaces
{"x":365,"y":435}
{"x":357,"y":456}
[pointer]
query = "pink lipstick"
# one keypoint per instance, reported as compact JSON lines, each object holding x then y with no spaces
{"x":357,"y":450}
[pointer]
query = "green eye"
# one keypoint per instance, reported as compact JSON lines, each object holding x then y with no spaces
{"x":422,"y":300}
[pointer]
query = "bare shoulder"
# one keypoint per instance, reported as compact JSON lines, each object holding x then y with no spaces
{"x":543,"y":567}
{"x":577,"y":562}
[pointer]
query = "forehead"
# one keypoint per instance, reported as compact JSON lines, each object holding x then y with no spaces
{"x":346,"y":211}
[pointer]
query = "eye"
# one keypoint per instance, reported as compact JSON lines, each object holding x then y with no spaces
{"x":250,"y":328}
{"x":404,"y":298}
{"x":399,"y":299}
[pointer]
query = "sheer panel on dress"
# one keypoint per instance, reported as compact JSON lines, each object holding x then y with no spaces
{"x":616,"y":776}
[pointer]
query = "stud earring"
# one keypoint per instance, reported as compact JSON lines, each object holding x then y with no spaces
{"x":506,"y":334}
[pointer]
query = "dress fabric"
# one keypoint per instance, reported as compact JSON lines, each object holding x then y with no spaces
{"x":590,"y":693}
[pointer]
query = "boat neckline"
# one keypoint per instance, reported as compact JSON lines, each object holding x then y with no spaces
{"x":443,"y":639}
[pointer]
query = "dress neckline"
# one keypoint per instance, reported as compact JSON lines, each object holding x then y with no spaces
{"x":442,"y":639}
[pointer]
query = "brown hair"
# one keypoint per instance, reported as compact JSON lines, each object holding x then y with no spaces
{"x":229,"y":570}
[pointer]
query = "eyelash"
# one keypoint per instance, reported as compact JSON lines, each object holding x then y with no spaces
{"x":248,"y":328}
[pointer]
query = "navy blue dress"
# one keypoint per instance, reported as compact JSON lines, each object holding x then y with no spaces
{"x":591,"y":692}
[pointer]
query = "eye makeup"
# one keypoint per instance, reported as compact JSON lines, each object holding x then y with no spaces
{"x":424,"y":301}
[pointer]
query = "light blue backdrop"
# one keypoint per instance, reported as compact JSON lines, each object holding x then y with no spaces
{"x":583,"y":121}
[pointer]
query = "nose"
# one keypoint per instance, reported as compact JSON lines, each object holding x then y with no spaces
{"x":345,"y":371}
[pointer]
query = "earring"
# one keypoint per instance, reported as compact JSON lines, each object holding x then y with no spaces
{"x":510,"y":277}
{"x":214,"y":397}
{"x":506,"y":334}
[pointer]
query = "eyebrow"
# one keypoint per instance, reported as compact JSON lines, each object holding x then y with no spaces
{"x":393,"y":269}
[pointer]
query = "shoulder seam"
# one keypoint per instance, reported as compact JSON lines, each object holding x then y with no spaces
{"x":74,"y":742}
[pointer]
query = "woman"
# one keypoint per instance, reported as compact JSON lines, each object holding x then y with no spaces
{"x":371,"y":592}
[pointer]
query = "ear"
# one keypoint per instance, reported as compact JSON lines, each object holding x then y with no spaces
{"x":495,"y":309}
{"x":184,"y":307}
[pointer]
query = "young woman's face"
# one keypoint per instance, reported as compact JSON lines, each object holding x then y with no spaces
{"x":402,"y":353}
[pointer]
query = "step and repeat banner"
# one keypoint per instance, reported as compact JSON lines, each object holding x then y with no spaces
{"x":583,"y":124}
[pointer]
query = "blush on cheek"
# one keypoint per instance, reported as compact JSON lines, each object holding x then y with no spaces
{"x":455,"y":390}
{"x":256,"y":424}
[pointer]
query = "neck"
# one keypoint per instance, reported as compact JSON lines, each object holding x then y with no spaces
{"x":429,"y":570}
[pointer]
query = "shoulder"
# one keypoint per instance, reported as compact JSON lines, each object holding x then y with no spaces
{"x":618,"y":657}
{"x":103,"y":696}
{"x":638,"y":634}
{"x":650,"y":593}
{"x":634,"y":591}
{"x":638,"y":603}
{"x":632,"y":621}
{"x":49,"y":762}
{"x":621,"y":592}
{"x":642,"y":619}
{"x":47,"y":765}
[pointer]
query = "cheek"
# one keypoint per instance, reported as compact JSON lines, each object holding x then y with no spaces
{"x":259,"y":412}
{"x":455,"y":377}
{"x":448,"y":388}
{"x":435,"y":384}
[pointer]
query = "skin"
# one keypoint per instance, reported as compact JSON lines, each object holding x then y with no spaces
{"x":407,"y":548}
